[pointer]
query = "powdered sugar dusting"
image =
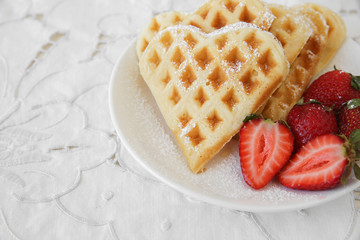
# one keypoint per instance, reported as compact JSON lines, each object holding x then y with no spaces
{"x":159,"y":150}
{"x":267,"y":15}
{"x":228,"y":28}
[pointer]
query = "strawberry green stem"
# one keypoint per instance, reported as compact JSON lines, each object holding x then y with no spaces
{"x":355,"y":83}
{"x":353,"y":103}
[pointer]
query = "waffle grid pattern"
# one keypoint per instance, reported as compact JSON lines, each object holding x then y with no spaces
{"x":301,"y":71}
{"x":336,"y":34}
{"x":291,"y":29}
{"x":213,"y":15}
{"x":210,"y":84}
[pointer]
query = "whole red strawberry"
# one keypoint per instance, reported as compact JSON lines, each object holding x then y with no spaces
{"x":349,"y":117}
{"x":333,"y":89}
{"x":310,"y":120}
{"x":264,"y":148}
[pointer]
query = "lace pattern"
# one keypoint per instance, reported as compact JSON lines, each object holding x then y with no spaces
{"x":63,"y":171}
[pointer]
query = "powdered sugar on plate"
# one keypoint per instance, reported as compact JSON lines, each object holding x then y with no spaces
{"x":145,"y":134}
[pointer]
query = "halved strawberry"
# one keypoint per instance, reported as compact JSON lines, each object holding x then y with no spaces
{"x":264,"y":148}
{"x":318,"y":165}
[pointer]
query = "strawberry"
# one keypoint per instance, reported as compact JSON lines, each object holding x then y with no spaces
{"x":333,"y":89}
{"x":323,"y":163}
{"x":349,"y":117}
{"x":318,"y":165}
{"x":264,"y":148}
{"x":310,"y":120}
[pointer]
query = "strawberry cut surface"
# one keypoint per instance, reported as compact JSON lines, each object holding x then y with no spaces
{"x":318,"y":165}
{"x":264,"y":148}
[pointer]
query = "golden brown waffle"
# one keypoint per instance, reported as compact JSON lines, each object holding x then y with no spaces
{"x":336,"y":34}
{"x":206,"y":84}
{"x":211,"y":16}
{"x":291,"y":29}
{"x":302,"y":70}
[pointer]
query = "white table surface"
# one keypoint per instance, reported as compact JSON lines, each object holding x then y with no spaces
{"x":64,"y":173}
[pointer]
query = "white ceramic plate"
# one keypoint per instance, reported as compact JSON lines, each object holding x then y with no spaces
{"x":146,"y":136}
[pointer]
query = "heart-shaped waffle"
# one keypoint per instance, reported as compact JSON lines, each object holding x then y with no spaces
{"x":302,"y":69}
{"x":335,"y":36}
{"x":211,"y":16}
{"x":291,"y":29}
{"x":206,"y":84}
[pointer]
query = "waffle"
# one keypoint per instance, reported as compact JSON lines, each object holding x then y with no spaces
{"x":206,"y":84}
{"x":291,"y":29}
{"x":336,"y":34}
{"x":211,"y":16}
{"x":302,"y":70}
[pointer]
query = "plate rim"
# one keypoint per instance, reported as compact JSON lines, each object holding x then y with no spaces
{"x":204,"y":197}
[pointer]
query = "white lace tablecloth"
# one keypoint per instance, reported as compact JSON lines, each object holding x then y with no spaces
{"x":64,"y":173}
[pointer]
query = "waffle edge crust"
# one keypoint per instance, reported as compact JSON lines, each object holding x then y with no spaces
{"x":212,"y":15}
{"x":206,"y":84}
